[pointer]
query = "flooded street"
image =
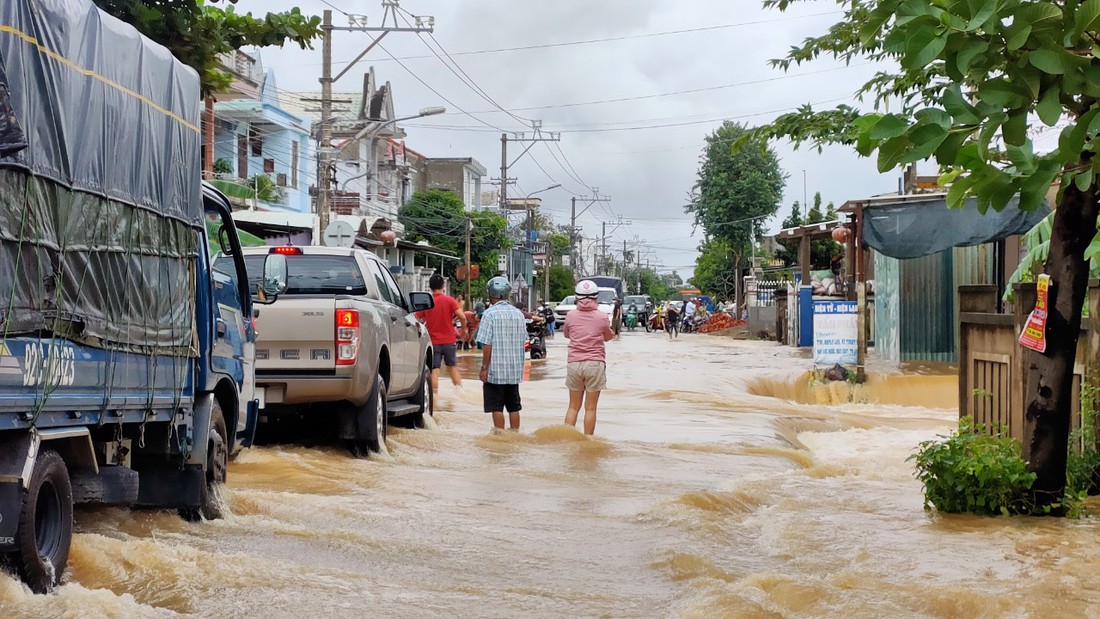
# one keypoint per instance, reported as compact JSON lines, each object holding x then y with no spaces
{"x":701,"y":497}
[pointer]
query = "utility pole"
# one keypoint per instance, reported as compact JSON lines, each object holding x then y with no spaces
{"x":603,"y":252}
{"x":324,"y":190}
{"x":356,"y":23}
{"x":522,"y":136}
{"x":603,"y":240}
{"x":573,"y":236}
{"x":469,"y":267}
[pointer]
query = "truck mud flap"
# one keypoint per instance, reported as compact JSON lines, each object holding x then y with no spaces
{"x":113,"y":485}
{"x":171,"y":487}
{"x":17,"y":455}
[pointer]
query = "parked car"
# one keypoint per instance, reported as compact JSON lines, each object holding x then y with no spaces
{"x":562,"y":309}
{"x":343,"y":340}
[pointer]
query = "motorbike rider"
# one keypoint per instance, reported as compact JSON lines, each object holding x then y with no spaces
{"x":672,"y":321}
{"x":547,"y":315}
{"x":689,"y":314}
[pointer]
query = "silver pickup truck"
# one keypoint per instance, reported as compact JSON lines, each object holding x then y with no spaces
{"x":343,"y":341}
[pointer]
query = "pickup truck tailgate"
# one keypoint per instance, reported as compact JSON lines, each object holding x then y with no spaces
{"x":296,"y":336}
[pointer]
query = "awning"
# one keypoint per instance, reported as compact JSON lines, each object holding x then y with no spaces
{"x":916,"y":228}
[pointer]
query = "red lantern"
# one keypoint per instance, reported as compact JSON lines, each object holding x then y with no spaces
{"x":841,"y":234}
{"x":388,"y":236}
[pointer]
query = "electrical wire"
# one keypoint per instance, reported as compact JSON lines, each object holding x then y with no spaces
{"x":643,"y":35}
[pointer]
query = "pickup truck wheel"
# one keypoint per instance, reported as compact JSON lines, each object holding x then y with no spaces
{"x":45,"y":524}
{"x":217,"y":462}
{"x":376,"y":408}
{"x":425,"y":398}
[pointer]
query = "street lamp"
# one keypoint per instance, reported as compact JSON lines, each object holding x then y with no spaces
{"x":530,"y":243}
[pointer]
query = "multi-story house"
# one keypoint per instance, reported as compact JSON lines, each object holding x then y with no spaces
{"x":262,"y":151}
{"x":461,"y":175}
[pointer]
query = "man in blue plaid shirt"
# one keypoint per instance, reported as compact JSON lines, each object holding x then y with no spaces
{"x":502,"y":333}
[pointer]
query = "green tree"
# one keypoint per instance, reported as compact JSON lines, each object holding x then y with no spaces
{"x":561,"y":282}
{"x":716,"y":273}
{"x":735,"y":193}
{"x":439,"y":217}
{"x":559,"y":244}
{"x":969,"y":77}
{"x":650,"y":281}
{"x":197,"y":33}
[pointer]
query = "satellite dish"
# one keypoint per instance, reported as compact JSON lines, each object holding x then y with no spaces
{"x":339,"y":234}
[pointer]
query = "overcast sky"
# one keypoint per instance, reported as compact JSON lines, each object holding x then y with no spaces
{"x":644,"y":153}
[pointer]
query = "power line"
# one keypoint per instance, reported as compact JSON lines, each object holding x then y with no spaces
{"x":440,"y":95}
{"x":589,"y":129}
{"x":682,"y":92}
{"x":644,"y":35}
{"x":464,"y":77}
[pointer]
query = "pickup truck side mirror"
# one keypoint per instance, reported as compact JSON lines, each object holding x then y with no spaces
{"x":420,"y":301}
{"x":274,"y":279}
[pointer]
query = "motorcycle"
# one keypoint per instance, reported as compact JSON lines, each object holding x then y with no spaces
{"x":536,"y":339}
{"x":631,"y":320}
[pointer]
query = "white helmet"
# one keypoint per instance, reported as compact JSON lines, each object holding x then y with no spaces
{"x":586,"y":288}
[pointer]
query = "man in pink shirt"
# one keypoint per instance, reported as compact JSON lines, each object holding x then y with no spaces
{"x":586,"y":328}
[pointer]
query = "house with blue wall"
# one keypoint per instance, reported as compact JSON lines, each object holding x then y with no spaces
{"x":264,"y":150}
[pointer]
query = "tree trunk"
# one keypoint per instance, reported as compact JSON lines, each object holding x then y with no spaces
{"x":1050,"y":376}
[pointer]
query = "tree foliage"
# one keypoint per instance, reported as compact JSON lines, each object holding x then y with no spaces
{"x":963,"y":80}
{"x":736,"y":191}
{"x":715,"y":272}
{"x":439,"y":217}
{"x":970,"y":74}
{"x":561,"y":282}
{"x":197,"y":33}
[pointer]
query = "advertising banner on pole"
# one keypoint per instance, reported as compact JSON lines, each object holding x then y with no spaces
{"x":835,"y":333}
{"x":1034,"y":335}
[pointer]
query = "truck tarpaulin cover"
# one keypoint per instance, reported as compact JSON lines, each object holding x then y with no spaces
{"x":100,"y":212}
{"x":926,"y":227}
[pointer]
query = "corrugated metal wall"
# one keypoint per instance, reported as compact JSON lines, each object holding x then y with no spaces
{"x":887,"y":301}
{"x":927,"y":304}
{"x":927,"y":310}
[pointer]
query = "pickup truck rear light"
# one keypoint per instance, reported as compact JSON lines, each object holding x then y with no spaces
{"x":287,"y":251}
{"x":347,"y":336}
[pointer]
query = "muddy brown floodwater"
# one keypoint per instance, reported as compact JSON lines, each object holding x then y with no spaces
{"x":702,"y":497}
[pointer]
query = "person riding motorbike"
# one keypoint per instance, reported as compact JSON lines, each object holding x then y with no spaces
{"x":631,"y":319}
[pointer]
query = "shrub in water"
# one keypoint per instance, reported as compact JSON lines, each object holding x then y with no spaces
{"x":971,"y":471}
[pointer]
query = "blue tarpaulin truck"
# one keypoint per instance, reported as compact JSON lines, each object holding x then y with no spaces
{"x":126,"y":359}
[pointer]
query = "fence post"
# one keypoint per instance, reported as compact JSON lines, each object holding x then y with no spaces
{"x":1025,"y":296}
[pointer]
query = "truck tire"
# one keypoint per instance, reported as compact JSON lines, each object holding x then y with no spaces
{"x":377,"y":417}
{"x":217,"y":462}
{"x":424,"y":398}
{"x":45,"y":524}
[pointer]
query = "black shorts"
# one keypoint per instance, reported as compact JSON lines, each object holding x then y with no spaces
{"x":444,"y":352}
{"x":501,"y":397}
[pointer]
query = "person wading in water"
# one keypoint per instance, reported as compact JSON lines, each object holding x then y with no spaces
{"x":587,"y":330}
{"x":502,"y":333}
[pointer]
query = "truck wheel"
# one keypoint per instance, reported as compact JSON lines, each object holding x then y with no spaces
{"x":424,"y":398}
{"x":376,"y":413}
{"x":45,"y":524}
{"x":217,"y":462}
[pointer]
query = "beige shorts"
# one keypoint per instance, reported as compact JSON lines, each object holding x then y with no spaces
{"x":586,"y":376}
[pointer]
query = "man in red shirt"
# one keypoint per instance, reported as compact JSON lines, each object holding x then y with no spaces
{"x":440,"y":322}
